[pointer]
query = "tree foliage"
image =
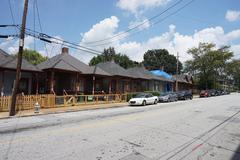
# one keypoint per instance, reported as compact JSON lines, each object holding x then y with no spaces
{"x":109,"y":55}
{"x":161,"y":59}
{"x":33,"y":56}
{"x":208,"y":64}
{"x":233,"y":69}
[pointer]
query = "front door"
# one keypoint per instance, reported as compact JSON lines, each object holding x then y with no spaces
{"x":23,"y":85}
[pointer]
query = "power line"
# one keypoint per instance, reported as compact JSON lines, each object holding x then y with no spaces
{"x":11,"y":11}
{"x":62,"y":43}
{"x":152,"y":25}
{"x":40,"y":25}
{"x":48,"y":37}
{"x":34,"y":23}
{"x":138,"y":25}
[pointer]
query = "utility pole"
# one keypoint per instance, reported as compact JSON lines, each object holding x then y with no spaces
{"x":177,"y":73}
{"x":19,"y":60}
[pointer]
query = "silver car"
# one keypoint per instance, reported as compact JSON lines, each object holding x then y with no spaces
{"x":168,"y":97}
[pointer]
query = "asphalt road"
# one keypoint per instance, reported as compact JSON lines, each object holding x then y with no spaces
{"x":200,"y":129}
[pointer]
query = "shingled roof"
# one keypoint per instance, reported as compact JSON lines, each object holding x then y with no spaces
{"x":183,"y":78}
{"x":143,"y":73}
{"x":139,"y":72}
{"x":114,"y":69}
{"x":67,"y":62}
{"x":10,"y":62}
{"x":3,"y":54}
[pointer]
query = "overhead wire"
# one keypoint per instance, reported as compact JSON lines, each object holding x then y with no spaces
{"x":43,"y":35}
{"x":12,"y":16}
{"x":151,"y":25}
{"x":40,"y":25}
{"x":138,"y":25}
{"x":62,"y":43}
{"x":34,"y":23}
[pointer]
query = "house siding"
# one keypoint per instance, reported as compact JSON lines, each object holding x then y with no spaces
{"x":8,"y":80}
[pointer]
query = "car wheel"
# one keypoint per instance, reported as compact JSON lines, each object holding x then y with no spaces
{"x":144,"y":103}
{"x":156,"y":101}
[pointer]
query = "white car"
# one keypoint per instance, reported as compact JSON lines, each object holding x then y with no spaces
{"x":143,"y":99}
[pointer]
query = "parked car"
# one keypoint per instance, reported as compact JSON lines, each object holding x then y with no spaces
{"x":168,"y":97}
{"x":204,"y":93}
{"x":143,"y":99}
{"x":212,"y":92}
{"x":184,"y":95}
{"x":218,"y":93}
{"x":227,"y":92}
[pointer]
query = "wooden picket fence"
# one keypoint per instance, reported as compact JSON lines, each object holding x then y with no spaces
{"x":51,"y":101}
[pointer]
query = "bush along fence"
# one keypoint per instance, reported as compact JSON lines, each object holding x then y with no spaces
{"x":27,"y":102}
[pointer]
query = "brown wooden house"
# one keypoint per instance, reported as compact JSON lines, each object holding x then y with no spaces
{"x":29,"y":75}
{"x":146,"y":81}
{"x":64,"y":74}
{"x":185,"y":82}
{"x":120,"y":79}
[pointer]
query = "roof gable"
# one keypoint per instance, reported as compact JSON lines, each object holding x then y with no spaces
{"x":65,"y":62}
{"x":10,"y":62}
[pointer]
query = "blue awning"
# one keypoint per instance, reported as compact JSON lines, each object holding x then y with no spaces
{"x":161,"y":73}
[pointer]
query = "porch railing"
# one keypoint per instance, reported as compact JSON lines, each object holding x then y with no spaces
{"x":51,"y":101}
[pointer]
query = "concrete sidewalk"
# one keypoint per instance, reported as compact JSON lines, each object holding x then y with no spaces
{"x":26,"y":113}
{"x":44,"y":111}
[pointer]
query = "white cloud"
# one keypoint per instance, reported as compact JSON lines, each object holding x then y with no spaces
{"x":142,"y":24}
{"x":136,"y":6}
{"x":171,"y":40}
{"x":102,"y":30}
{"x":10,"y":45}
{"x":236,"y":50}
{"x":175,"y":42}
{"x":232,"y":15}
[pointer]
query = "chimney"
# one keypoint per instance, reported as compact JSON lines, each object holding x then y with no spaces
{"x":65,"y":50}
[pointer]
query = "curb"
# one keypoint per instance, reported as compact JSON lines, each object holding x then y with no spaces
{"x":58,"y":112}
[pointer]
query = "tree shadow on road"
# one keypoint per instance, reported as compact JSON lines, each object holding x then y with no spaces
{"x":236,"y":155}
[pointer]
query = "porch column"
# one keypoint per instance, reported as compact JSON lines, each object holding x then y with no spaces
{"x":77,"y":83}
{"x":2,"y":83}
{"x":52,"y":82}
{"x":110,"y":86}
{"x":117,"y":85}
{"x":37,"y":86}
{"x":93,"y":85}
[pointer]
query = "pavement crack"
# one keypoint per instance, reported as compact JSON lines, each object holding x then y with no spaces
{"x":131,"y":143}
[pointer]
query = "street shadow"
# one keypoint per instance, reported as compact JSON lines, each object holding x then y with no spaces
{"x":236,"y":155}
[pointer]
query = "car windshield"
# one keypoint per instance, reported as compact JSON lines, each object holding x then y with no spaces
{"x":181,"y":92}
{"x":164,"y":94}
{"x":140,"y":95}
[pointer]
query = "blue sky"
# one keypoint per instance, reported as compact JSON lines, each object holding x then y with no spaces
{"x":216,"y":21}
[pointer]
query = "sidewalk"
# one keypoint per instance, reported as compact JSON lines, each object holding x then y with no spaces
{"x":26,"y":113}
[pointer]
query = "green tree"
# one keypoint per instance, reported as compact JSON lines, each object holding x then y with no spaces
{"x":208,"y":64}
{"x":161,"y":59}
{"x":233,"y":70}
{"x":33,"y":56}
{"x":109,"y":55}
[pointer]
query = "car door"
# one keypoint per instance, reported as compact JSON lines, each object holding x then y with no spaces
{"x":151,"y":98}
{"x":147,"y":98}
